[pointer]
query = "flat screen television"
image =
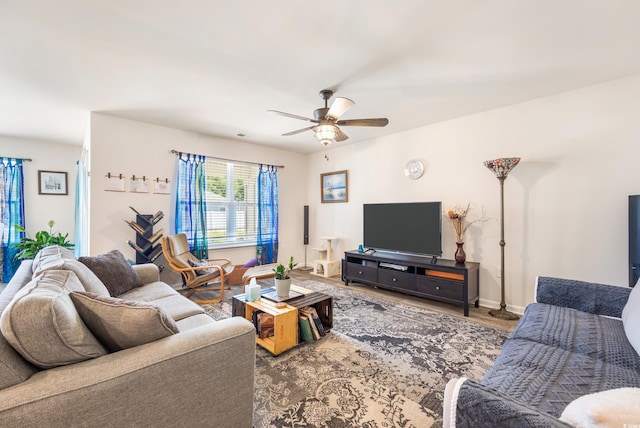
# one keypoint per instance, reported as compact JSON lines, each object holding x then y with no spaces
{"x":410,"y":227}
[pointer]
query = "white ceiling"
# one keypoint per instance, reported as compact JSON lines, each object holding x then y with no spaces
{"x":216,"y":67}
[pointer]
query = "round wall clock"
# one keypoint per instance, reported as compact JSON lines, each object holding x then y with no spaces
{"x":414,"y":169}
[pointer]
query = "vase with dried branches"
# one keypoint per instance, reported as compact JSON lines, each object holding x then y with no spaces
{"x":458,"y":217}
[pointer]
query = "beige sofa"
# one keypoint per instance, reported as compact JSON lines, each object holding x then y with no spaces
{"x":200,"y":373}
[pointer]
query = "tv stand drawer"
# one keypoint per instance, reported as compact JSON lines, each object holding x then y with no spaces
{"x":440,"y":287}
{"x":359,"y":272}
{"x":396,"y":279}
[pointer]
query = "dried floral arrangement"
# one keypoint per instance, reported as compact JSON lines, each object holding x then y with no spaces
{"x":458,"y":216}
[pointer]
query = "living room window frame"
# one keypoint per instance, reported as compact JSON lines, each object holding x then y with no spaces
{"x":231,"y":207}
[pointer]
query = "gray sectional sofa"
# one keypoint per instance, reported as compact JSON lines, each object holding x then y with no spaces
{"x":577,"y":343}
{"x":72,"y":354}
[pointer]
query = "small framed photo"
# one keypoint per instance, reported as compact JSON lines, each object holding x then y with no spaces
{"x":52,"y":183}
{"x":334,"y":187}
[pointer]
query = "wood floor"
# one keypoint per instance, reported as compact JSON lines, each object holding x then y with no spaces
{"x":479,"y":315}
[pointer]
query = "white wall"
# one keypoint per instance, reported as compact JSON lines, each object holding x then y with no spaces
{"x":39,"y":209}
{"x":565,"y":203}
{"x":120,"y":146}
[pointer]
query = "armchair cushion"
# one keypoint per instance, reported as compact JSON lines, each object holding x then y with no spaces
{"x":121,"y":324}
{"x":114,"y":271}
{"x":204,"y":263}
{"x":42,"y":324}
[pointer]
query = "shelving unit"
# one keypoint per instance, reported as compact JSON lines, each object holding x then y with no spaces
{"x":147,"y":244}
{"x":440,"y":279}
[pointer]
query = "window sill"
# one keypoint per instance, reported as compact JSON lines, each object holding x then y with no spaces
{"x":232,"y":245}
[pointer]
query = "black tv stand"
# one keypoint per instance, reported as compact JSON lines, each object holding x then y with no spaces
{"x":443,"y":280}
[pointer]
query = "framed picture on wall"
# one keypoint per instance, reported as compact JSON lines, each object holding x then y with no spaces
{"x":52,"y":183}
{"x":334,"y":187}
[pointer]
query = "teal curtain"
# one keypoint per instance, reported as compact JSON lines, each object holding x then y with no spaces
{"x":12,"y":178}
{"x":81,"y":247}
{"x":191,"y":203}
{"x":267,"y":248}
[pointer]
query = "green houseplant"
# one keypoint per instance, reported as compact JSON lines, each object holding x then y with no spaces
{"x":282,"y":278}
{"x":29,"y":247}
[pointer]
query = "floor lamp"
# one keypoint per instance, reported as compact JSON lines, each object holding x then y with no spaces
{"x":501,"y":168}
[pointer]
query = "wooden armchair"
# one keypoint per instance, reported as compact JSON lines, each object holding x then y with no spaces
{"x":197,"y":276}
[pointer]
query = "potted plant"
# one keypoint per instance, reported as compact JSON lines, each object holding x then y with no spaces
{"x":282,"y":279}
{"x":29,"y":247}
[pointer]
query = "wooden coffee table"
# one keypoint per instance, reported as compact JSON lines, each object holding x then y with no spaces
{"x":286,"y":328}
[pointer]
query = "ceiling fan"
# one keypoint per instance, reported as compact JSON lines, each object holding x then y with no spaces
{"x":327,"y":119}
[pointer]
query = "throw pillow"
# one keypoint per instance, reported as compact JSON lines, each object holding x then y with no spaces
{"x":251,"y":263}
{"x":203,"y":263}
{"x":114,"y":271}
{"x":612,"y":408}
{"x":42,"y":324}
{"x":121,"y":324}
{"x":631,"y":318}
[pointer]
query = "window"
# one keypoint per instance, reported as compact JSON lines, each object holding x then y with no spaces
{"x":232,"y":203}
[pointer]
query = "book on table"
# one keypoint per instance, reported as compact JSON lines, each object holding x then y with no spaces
{"x":266,"y":326}
{"x":271,"y":294}
{"x":311,"y":327}
{"x":305,"y":329}
{"x":316,"y":326}
{"x":263,"y":323}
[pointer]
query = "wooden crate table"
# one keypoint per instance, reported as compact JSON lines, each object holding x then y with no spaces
{"x":286,"y":329}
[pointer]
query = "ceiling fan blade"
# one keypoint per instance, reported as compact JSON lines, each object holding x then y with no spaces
{"x":298,"y":131}
{"x":340,"y":136}
{"x":339,"y":107}
{"x":382,"y":121}
{"x":294,"y":116}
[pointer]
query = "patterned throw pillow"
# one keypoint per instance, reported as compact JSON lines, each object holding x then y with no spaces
{"x":121,"y":324}
{"x":203,"y":263}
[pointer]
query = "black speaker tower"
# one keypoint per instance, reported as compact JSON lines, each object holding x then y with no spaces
{"x":305,"y":235}
{"x":306,"y":225}
{"x":634,"y":239}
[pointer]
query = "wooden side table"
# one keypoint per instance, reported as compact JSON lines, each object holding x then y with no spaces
{"x":286,"y":326}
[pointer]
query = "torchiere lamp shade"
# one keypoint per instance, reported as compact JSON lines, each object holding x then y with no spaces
{"x":501,"y":167}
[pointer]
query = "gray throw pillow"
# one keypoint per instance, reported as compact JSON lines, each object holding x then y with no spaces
{"x":203,"y":263}
{"x":114,"y":271}
{"x":121,"y":324}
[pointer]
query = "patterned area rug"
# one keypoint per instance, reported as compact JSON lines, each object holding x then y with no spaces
{"x":384,"y":364}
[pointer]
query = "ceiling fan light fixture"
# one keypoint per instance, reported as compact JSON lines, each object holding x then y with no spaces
{"x":326,"y":134}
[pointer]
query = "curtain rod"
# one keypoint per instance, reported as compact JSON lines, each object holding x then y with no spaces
{"x":13,"y":157}
{"x":175,"y":152}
